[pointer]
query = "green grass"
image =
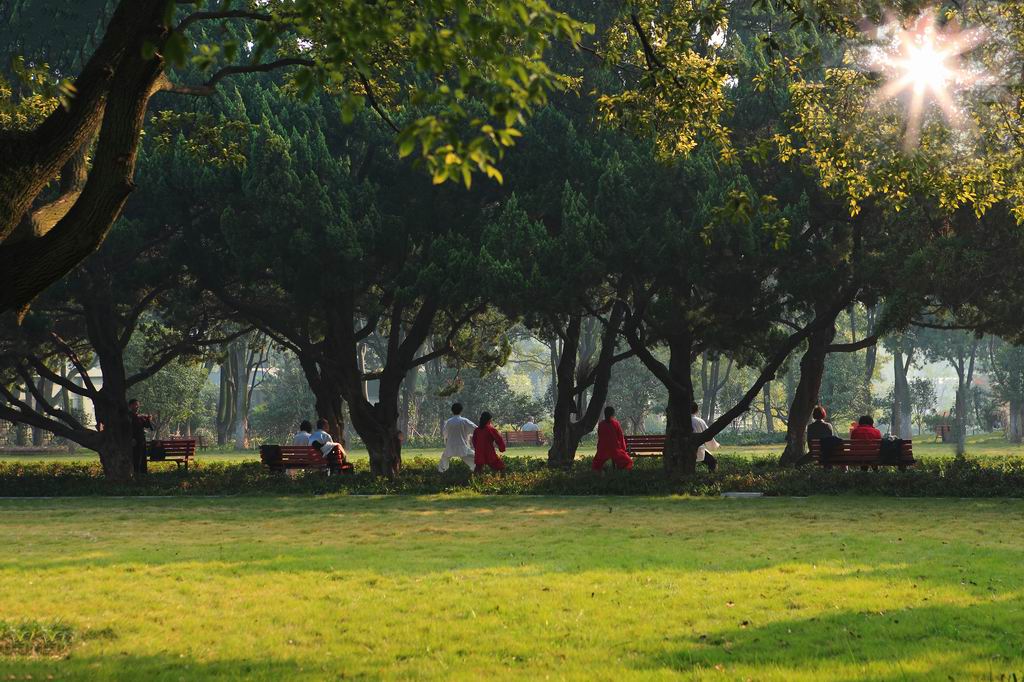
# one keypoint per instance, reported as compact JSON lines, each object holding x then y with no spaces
{"x":982,"y":445}
{"x":532,"y":588}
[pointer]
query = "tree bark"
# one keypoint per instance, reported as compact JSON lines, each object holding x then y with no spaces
{"x":113,"y":92}
{"x":562,"y":450}
{"x":902,"y":413}
{"x":226,"y":402}
{"x":769,"y":421}
{"x":239,"y":350}
{"x":567,"y":434}
{"x":807,"y":394}
{"x":1015,"y":422}
{"x":680,"y":446}
{"x":965,"y":376}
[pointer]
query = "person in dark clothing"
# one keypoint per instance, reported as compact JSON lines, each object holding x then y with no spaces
{"x":140,"y":422}
{"x":819,"y":428}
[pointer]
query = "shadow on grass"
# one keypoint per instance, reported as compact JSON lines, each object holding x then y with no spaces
{"x":168,"y":667}
{"x":925,"y":643}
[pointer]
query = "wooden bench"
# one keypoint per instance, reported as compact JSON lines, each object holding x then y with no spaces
{"x":523,"y":438}
{"x":284,"y":457}
{"x":862,"y":453}
{"x":646,"y":446}
{"x":181,"y":451}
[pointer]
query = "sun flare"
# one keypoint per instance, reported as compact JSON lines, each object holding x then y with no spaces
{"x":922,"y":65}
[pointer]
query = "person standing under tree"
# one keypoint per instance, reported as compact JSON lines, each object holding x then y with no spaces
{"x":140,"y":422}
{"x":700,"y":426}
{"x":457,"y":433}
{"x":485,"y":437}
{"x":611,"y":443}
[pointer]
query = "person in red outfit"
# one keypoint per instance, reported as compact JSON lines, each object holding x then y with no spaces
{"x":611,"y":444}
{"x":485,"y":437}
{"x":865,"y":430}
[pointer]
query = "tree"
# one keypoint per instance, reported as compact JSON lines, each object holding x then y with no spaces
{"x":243,"y":367}
{"x":173,"y":395}
{"x":1004,"y":363}
{"x":922,"y":400}
{"x":960,"y":350}
{"x":129,"y":289}
{"x":635,"y":393}
{"x":903,"y":346}
{"x":287,"y":400}
{"x":303,"y":243}
{"x":489,"y":52}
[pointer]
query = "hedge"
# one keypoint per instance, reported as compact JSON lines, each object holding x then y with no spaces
{"x":990,"y":477}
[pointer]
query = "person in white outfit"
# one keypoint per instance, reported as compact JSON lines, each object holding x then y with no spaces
{"x":457,"y":433}
{"x":530,"y":425}
{"x":305,"y":431}
{"x":700,"y":426}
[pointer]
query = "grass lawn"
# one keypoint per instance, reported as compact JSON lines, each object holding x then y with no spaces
{"x":474,"y":587}
{"x":981,"y":445}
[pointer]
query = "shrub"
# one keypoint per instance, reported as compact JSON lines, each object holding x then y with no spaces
{"x":990,"y":477}
{"x":32,"y":638}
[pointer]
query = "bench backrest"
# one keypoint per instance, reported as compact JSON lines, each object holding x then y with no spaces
{"x":176,"y":447}
{"x":859,"y":450}
{"x":518,"y":437}
{"x":646,"y":444}
{"x":297,"y":456}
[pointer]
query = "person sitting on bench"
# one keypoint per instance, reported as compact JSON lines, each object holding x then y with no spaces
{"x":700,"y":426}
{"x":333,"y":452}
{"x":819,"y":428}
{"x":530,"y":426}
{"x":304,"y":433}
{"x":865,"y":430}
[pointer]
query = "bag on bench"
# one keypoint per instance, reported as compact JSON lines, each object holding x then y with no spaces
{"x":829,"y":445}
{"x":890,"y":451}
{"x":156,"y":452}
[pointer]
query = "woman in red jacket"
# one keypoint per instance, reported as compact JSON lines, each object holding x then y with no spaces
{"x":611,"y":444}
{"x":485,"y":437}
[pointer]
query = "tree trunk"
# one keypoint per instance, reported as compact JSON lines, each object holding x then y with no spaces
{"x":408,"y":401}
{"x":115,"y":446}
{"x":680,"y":446}
{"x":112,"y":93}
{"x":902,"y":412}
{"x":562,"y":451}
{"x":377,"y":425}
{"x":806,"y":395}
{"x":238,"y":350}
{"x":226,"y":403}
{"x":1015,"y":422}
{"x":960,"y":421}
{"x":769,"y":421}
{"x":567,"y":434}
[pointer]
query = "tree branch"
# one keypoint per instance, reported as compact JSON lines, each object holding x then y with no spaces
{"x":375,"y":105}
{"x":210,"y":86}
{"x":650,"y":56}
{"x":866,"y":342}
{"x":45,"y":402}
{"x":227,"y":14}
{"x":48,"y":374}
{"x":79,"y":367}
